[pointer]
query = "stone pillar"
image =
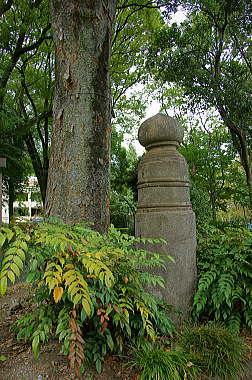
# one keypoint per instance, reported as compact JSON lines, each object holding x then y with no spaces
{"x":164,"y":207}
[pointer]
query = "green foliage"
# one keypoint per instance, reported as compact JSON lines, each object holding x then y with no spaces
{"x":14,"y":256}
{"x":36,"y":326}
{"x":122,"y":210}
{"x":133,"y":31}
{"x":225,"y":277}
{"x":162,"y":365}
{"x":200,"y":205}
{"x":123,"y":183}
{"x":218,"y":351}
{"x":209,"y":154}
{"x":207,"y":56}
{"x":88,"y":288}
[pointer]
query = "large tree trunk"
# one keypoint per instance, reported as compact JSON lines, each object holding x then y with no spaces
{"x":78,"y":180}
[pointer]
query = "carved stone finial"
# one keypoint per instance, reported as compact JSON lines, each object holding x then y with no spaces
{"x":162,"y":173}
{"x":160,"y":130}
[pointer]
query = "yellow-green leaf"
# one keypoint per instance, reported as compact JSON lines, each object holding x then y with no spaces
{"x":77,"y":298}
{"x":11,"y":250}
{"x":70,"y":267}
{"x":3,"y":273}
{"x":82,"y":282}
{"x":62,"y":260}
{"x":86,"y":306}
{"x":48,"y":273}
{"x":69,"y":279}
{"x":51,"y":265}
{"x":15,"y":269}
{"x":57,"y":275}
{"x":35,"y":346}
{"x":3,"y":285}
{"x":69,"y":273}
{"x":18,"y":261}
{"x":57,"y":266}
{"x":5,"y":266}
{"x":23,"y":245}
{"x":73,"y":288}
{"x":2,"y":239}
{"x":9,"y":234}
{"x":6,"y":259}
{"x":21,"y":254}
{"x":108,"y":281}
{"x":51,"y":282}
{"x":11,"y":276}
{"x":27,"y":237}
{"x":17,"y":230}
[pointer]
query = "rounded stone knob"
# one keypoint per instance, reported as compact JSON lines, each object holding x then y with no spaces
{"x":160,"y":130}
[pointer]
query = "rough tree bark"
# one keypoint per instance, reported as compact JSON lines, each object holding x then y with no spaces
{"x":78,"y":179}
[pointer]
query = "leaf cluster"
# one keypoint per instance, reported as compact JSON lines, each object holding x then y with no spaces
{"x":90,"y":289}
{"x":225,"y":277}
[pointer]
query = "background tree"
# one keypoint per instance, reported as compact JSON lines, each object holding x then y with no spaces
{"x":34,"y":109}
{"x":25,"y":27}
{"x":25,"y":46}
{"x":208,"y":56}
{"x":210,"y":155}
{"x":17,"y":167}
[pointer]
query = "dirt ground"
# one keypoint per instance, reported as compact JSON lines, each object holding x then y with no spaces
{"x":21,"y":365}
{"x":51,"y":365}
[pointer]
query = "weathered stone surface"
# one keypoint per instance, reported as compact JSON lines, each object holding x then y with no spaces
{"x":164,"y":207}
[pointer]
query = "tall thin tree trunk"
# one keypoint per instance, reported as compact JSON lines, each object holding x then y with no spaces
{"x":78,"y":179}
{"x":11,"y":193}
{"x":240,"y":143}
{"x":40,"y":167}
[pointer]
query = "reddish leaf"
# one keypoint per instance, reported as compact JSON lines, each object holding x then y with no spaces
{"x":104,"y":327}
{"x":116,"y":308}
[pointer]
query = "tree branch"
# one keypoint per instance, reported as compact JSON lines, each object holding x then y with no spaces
{"x":36,"y":44}
{"x":6,"y":7}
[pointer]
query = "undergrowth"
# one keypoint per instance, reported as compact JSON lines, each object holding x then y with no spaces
{"x":201,"y":352}
{"x":89,"y":289}
{"x":218,"y":352}
{"x":161,"y":364}
{"x":224,"y":263}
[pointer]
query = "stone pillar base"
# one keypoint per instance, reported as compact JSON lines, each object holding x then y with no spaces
{"x":178,"y":229}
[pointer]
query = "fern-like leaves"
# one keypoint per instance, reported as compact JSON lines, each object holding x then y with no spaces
{"x":14,"y":256}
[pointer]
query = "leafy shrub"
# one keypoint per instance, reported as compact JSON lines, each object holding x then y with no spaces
{"x":162,"y":365}
{"x":219,"y":352}
{"x":224,"y":260}
{"x":89,"y":288}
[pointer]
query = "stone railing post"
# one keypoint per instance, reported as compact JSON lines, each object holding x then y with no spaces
{"x":164,"y":207}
